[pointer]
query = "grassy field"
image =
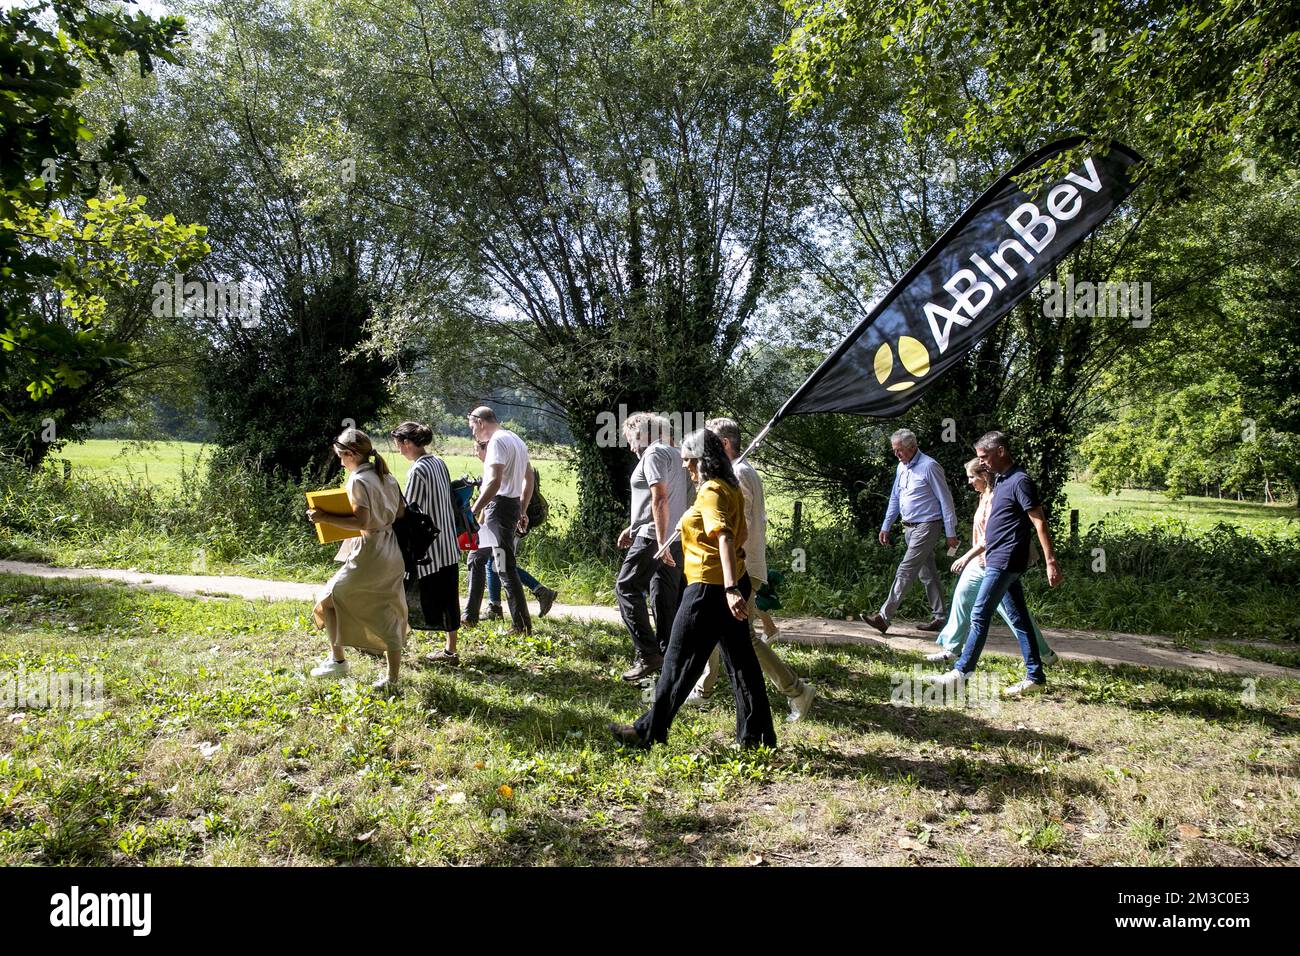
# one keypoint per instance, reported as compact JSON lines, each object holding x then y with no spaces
{"x":214,"y":747}
{"x":1197,"y":513}
{"x":1182,"y":577}
{"x":160,"y":463}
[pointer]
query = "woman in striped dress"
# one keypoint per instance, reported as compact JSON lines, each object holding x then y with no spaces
{"x":434,"y":600}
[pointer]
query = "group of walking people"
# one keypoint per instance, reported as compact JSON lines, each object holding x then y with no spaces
{"x":1009,"y":521}
{"x":373,"y":600}
{"x":695,"y":557}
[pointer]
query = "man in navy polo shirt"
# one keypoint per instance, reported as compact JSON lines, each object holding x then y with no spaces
{"x":1016,"y":510}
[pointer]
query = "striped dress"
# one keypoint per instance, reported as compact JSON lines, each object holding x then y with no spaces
{"x":428,"y":487}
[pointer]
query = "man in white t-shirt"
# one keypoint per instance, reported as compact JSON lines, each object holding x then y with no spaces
{"x":502,"y":504}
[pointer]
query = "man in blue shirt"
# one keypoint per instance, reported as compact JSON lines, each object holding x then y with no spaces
{"x":921,"y":497}
{"x":1016,"y":511}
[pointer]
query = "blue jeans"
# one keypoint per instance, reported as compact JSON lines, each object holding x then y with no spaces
{"x":955,"y":632}
{"x":494,"y":582}
{"x":996,"y":585}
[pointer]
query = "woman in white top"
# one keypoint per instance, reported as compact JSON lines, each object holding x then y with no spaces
{"x":971,"y":568}
{"x":434,"y":598}
{"x":364,"y":604}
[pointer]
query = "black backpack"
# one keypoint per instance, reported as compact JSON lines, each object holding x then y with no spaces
{"x":539,"y":509}
{"x":416,"y":533}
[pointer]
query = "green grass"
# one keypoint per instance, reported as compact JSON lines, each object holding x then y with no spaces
{"x":1162,"y":575}
{"x":156,"y":463}
{"x":160,"y":463}
{"x":216,"y":748}
{"x":1197,"y":513}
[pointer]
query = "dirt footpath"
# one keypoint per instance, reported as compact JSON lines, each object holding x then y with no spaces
{"x":1109,"y":648}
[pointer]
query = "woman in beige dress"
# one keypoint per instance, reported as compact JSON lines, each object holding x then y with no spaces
{"x":364,"y":604}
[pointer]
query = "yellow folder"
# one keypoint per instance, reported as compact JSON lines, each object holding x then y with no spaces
{"x":335,"y":502}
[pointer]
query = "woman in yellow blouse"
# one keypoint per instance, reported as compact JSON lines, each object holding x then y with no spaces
{"x":713,"y":608}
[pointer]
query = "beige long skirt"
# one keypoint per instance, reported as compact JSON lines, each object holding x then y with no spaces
{"x":369,"y":595}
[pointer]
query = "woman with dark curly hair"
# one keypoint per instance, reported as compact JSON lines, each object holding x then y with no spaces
{"x":713,"y":607}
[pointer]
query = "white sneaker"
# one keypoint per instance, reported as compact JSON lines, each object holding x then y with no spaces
{"x":799,"y":706}
{"x":940,"y":657}
{"x":952,"y":678}
{"x":696,"y":699}
{"x":1024,"y":688}
{"x":1049,"y":659}
{"x":384,"y":686}
{"x":330,"y":668}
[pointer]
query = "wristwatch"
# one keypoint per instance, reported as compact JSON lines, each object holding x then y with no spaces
{"x":734,"y":589}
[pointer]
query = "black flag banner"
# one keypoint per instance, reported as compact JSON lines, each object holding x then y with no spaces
{"x":991,"y":257}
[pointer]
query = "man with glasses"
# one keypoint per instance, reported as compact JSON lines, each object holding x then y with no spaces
{"x":920,"y":496}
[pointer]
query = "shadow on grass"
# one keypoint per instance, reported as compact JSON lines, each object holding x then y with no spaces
{"x":1219,"y":698}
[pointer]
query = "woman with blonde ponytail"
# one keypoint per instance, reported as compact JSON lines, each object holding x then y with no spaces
{"x":364,"y":604}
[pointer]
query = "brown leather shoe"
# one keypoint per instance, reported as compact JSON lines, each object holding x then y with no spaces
{"x":642,"y":668}
{"x":626,"y":735}
{"x":876,"y":621}
{"x":934,"y":627}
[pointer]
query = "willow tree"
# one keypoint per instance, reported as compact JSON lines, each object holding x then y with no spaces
{"x":619,"y":181}
{"x":247,"y":139}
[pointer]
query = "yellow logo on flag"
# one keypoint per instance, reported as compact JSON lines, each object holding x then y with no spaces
{"x":911,"y":352}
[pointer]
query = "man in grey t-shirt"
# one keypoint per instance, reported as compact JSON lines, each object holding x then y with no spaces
{"x":661,"y":493}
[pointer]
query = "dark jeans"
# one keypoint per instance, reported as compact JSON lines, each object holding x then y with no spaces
{"x":703,"y":620}
{"x":494,"y":581}
{"x":500,"y":518}
{"x":641,"y":570}
{"x":996,"y":585}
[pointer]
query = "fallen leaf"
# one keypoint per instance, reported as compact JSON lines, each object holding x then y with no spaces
{"x":757,"y":860}
{"x":479,"y":765}
{"x":506,"y":791}
{"x":207,"y":748}
{"x":643,"y":860}
{"x":365,"y":837}
{"x":1188,"y":832}
{"x":691,"y":838}
{"x":457,"y":797}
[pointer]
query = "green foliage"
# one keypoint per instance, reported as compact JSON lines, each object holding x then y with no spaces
{"x":212,"y":516}
{"x":1212,"y":81}
{"x":281,"y":391}
{"x":45,"y":51}
{"x":96,"y":330}
{"x":1210,"y":394}
{"x":612,"y":188}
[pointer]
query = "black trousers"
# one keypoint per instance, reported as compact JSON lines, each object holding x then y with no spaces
{"x":703,"y":621}
{"x":641,"y":570}
{"x":501,"y":516}
{"x":434,"y":600}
